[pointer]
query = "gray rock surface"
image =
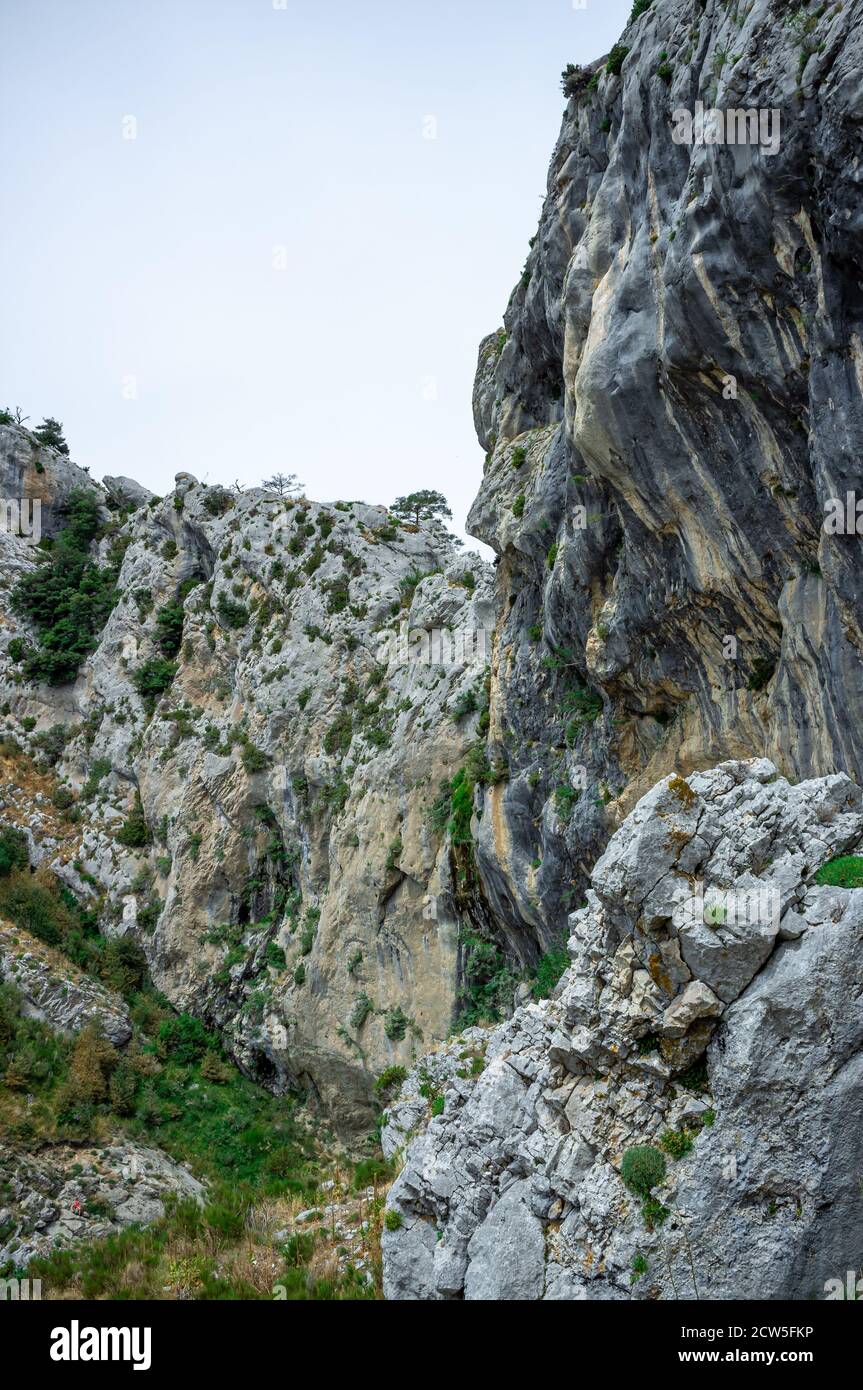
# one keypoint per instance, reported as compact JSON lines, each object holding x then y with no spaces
{"x":66,"y":1194}
{"x":34,"y":472}
{"x":520,"y":1177}
{"x":670,"y":405}
{"x":125,"y":492}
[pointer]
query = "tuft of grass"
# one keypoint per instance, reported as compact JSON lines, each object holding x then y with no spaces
{"x":844,"y":872}
{"x":642,"y":1168}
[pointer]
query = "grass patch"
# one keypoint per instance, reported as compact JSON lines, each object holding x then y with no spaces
{"x":844,"y":872}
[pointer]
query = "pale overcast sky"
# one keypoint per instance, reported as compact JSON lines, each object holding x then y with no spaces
{"x":281,"y":266}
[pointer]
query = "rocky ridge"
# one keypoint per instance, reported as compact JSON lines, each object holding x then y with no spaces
{"x":327,"y":675}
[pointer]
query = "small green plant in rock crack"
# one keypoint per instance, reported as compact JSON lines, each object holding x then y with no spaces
{"x":676,"y":1142}
{"x":363,"y":1006}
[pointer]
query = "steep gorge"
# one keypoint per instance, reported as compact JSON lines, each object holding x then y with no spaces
{"x":319,"y":834}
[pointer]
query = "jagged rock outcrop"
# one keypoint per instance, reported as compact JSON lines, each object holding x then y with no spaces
{"x":125,"y":494}
{"x":33,"y":472}
{"x":703,"y":939}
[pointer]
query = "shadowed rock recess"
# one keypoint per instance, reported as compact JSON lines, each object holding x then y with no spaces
{"x":347,"y":852}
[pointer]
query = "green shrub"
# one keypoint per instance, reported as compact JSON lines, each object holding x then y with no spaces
{"x":254,"y":759}
{"x":39,"y":905}
{"x":565,"y":799}
{"x":461,"y":808}
{"x":13,"y":850}
{"x":488,"y":981}
{"x":338,"y":737}
{"x":363,"y":1006}
{"x":309,"y":928}
{"x":184,"y":1039}
{"x":67,"y":597}
{"x":518,"y":456}
{"x":585,"y":707}
{"x":369,"y":1171}
{"x":228,"y":1212}
{"x":389,"y":1079}
{"x":695,"y":1077}
{"x":518,"y":505}
{"x":275,"y":956}
{"x":152,"y":680}
{"x":549,"y":969}
{"x":615,"y":59}
{"x":574,"y":79}
{"x":52,"y":741}
{"x":844,"y":872}
{"x":639,"y":8}
{"x":654,"y":1212}
{"x":98,"y":770}
{"x":217,"y":501}
{"x":122,"y":1089}
{"x":232,"y":614}
{"x":676,"y":1142}
{"x":763,"y":668}
{"x":134,"y":833}
{"x":643,"y":1168}
{"x":50,"y":433}
{"x":393,"y":1221}
{"x":123,"y":965}
{"x":396,"y":1024}
{"x":169,"y":627}
{"x":214,"y":1070}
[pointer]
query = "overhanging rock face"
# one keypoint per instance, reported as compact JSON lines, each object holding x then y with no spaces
{"x":750,"y":1081}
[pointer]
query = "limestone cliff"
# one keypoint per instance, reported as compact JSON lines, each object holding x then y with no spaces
{"x":245,"y":747}
{"x":672,"y":403}
{"x":252,"y":752}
